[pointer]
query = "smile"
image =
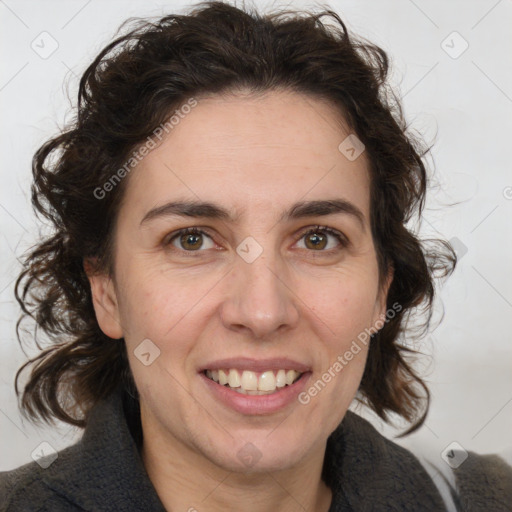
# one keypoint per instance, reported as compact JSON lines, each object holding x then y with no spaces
{"x":248,"y":382}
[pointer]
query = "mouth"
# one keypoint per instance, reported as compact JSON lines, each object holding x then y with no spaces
{"x":247,"y":382}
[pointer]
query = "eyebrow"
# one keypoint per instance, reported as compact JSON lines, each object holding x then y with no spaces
{"x":301,"y":209}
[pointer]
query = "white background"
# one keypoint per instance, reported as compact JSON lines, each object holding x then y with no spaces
{"x":463,"y":105}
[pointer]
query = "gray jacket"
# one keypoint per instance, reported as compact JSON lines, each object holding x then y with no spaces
{"x":366,"y":472}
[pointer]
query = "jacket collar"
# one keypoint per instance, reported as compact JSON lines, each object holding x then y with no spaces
{"x":367,"y":471}
{"x":104,"y":470}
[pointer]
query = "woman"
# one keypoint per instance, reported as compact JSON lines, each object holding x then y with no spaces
{"x":230,"y":268}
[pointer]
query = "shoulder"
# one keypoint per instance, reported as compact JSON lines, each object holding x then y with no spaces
{"x":25,"y":488}
{"x":21,"y":486}
{"x":480,"y":482}
{"x":102,"y":471}
{"x":369,"y":469}
{"x":484,"y":482}
{"x":472,"y":481}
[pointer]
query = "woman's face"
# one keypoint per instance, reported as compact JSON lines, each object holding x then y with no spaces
{"x":252,"y":290}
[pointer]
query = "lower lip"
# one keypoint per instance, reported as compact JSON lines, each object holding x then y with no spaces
{"x":257,"y":404}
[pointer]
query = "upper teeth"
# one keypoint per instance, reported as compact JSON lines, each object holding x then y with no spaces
{"x":249,"y":381}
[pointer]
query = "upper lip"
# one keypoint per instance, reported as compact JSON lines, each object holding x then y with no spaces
{"x":255,"y":365}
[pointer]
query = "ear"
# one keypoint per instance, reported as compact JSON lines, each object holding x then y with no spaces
{"x":104,"y":299}
{"x":381,"y":304}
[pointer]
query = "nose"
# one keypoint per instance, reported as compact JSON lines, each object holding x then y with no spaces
{"x":260,"y":299}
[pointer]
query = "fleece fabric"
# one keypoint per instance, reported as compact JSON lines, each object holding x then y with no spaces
{"x":103,"y":472}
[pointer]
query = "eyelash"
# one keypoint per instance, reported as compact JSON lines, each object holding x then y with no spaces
{"x":309,"y":231}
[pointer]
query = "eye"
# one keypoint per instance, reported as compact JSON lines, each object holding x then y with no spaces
{"x":317,"y":239}
{"x":190,"y":240}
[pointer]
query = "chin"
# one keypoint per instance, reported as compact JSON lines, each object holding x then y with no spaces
{"x":258,"y":454}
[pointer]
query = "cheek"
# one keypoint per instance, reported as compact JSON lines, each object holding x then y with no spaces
{"x":344,"y":303}
{"x":165,"y":306}
{"x":163,"y":316}
{"x":147,"y":305}
{"x":158,"y":311}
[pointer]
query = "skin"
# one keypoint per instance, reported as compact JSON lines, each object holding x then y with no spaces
{"x":255,"y":155}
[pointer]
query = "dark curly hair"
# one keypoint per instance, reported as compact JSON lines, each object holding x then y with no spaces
{"x":129,"y":90}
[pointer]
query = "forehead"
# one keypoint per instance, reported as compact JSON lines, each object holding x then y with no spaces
{"x":253,"y":151}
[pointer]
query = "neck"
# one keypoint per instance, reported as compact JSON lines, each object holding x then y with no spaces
{"x":186,"y":480}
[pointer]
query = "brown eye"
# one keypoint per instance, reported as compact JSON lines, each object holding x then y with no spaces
{"x":190,"y":240}
{"x":318,"y":239}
